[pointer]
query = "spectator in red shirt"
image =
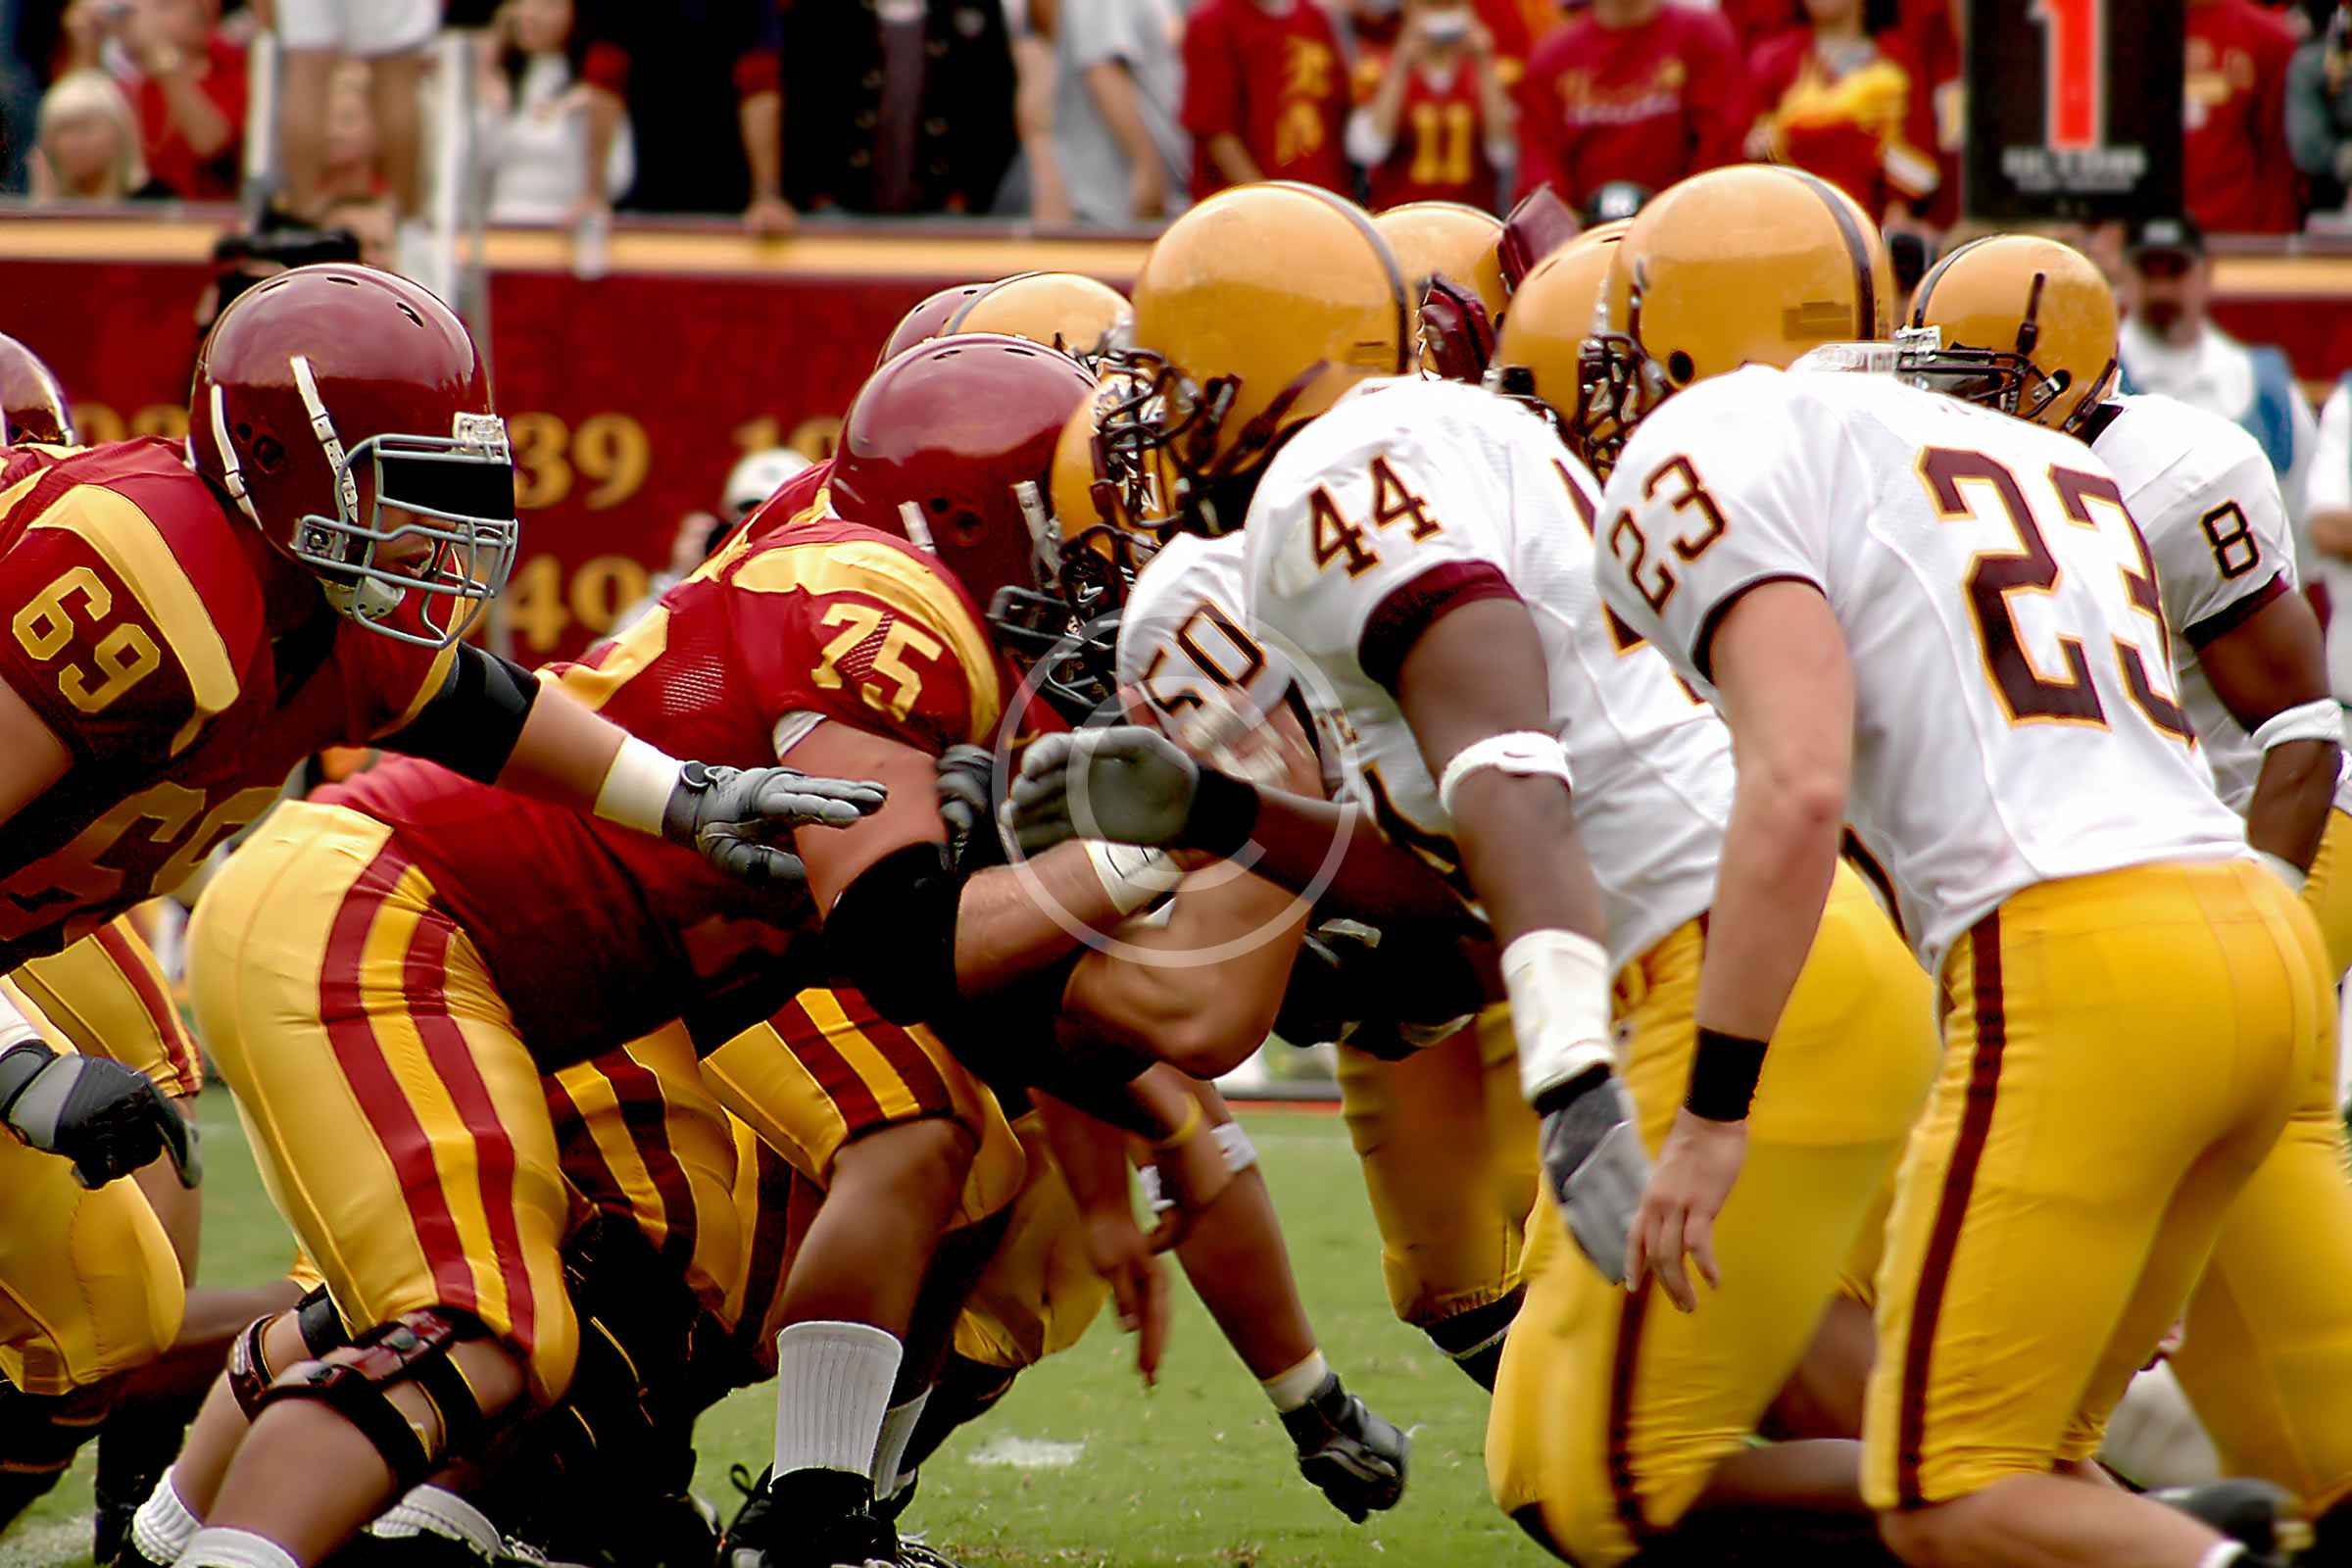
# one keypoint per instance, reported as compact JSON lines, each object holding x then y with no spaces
{"x":2236,"y":174}
{"x":1833,"y":100}
{"x":188,"y":87}
{"x":1756,"y":23}
{"x":1265,"y":95}
{"x":1439,"y":127}
{"x":1634,"y":90}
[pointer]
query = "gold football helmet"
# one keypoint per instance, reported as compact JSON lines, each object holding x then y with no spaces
{"x":1541,"y":352}
{"x":1254,"y":311}
{"x":2018,"y":322}
{"x":1447,"y":240}
{"x":1066,"y":310}
{"x":1750,"y":264}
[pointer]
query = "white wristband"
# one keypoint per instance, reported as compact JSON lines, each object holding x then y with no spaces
{"x":14,"y":1028}
{"x":2321,"y":720}
{"x":2279,"y":866}
{"x":1558,"y":983}
{"x":638,"y":786}
{"x":1526,"y":752}
{"x":1132,"y":876}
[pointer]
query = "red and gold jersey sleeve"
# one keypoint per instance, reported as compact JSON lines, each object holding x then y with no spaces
{"x":115,"y":634}
{"x":853,"y":625}
{"x":107,"y":994}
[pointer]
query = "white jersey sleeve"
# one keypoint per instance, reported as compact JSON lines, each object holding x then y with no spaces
{"x":2016,"y":719}
{"x":1183,"y":631}
{"x":2207,"y":501}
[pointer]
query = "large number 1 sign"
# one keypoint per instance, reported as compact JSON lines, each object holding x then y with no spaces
{"x":2073,"y":68}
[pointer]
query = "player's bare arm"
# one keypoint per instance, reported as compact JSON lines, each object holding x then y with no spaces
{"x":2271,"y":672}
{"x":1780,"y":662}
{"x":31,"y":756}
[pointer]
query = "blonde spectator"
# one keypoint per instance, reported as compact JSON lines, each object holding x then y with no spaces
{"x":88,"y":149}
{"x":534,"y":141}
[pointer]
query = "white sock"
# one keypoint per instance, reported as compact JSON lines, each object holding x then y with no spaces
{"x":163,"y":1527}
{"x":832,"y":1389}
{"x":235,"y":1548}
{"x":2221,"y":1553}
{"x":1290,"y":1390}
{"x":429,"y":1510}
{"x":898,"y":1430}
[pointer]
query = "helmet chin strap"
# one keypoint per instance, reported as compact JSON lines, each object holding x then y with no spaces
{"x":365,"y":599}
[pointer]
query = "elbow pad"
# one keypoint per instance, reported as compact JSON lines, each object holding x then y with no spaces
{"x":471,"y":727}
{"x":892,"y":934}
{"x":2321,"y":720}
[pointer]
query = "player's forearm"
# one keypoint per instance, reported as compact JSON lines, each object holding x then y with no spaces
{"x":1012,"y":922}
{"x":1770,"y":887}
{"x":2292,"y":797}
{"x":1517,"y":837}
{"x":1331,"y":851}
{"x":1204,"y":1018}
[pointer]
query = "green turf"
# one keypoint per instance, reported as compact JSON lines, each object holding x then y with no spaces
{"x":1194,"y":1472}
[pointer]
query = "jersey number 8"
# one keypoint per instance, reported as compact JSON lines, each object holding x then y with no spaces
{"x":121,"y":659}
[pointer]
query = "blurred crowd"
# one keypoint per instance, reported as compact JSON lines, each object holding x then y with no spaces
{"x":1099,"y":112}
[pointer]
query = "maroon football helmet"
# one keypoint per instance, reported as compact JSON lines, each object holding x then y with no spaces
{"x":929,"y":319}
{"x":950,"y":445}
{"x":346,"y":413}
{"x":32,"y":407}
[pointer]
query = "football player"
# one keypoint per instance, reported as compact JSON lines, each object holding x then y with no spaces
{"x":1943,"y":625}
{"x":358,"y":958}
{"x":1452,"y":264}
{"x":1424,"y":547}
{"x":2028,"y":326}
{"x":1066,"y":310}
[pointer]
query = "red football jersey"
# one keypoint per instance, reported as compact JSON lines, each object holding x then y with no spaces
{"x":802,"y":497}
{"x":1653,"y":103}
{"x":185,"y":666}
{"x":1441,"y":149}
{"x":1278,"y":82}
{"x":596,"y":934}
{"x":2236,"y":176}
{"x":1850,"y":128}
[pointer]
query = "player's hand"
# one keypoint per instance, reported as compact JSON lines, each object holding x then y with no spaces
{"x":1697,"y":1165}
{"x":100,"y":1115}
{"x":965,"y":776}
{"x":1126,"y":783}
{"x":1191,"y":1175}
{"x":1595,"y":1164}
{"x":1118,"y":1250}
{"x":732,"y":815}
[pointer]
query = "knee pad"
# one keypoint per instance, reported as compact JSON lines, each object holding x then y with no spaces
{"x":249,"y":1374}
{"x":413,"y":1348}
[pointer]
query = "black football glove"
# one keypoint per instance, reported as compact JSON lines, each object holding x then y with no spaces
{"x":100,"y":1116}
{"x":1595,"y":1164}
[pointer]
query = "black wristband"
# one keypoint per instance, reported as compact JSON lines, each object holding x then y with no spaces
{"x":1224,"y":813}
{"x":1723,"y":1076}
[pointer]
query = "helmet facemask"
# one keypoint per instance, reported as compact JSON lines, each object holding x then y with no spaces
{"x":452,"y":542}
{"x":1064,"y":636}
{"x":2004,"y":379}
{"x":1184,"y":422}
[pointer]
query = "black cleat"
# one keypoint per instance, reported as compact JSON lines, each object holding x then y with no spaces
{"x":807,"y":1519}
{"x":2263,"y":1518}
{"x":1352,"y":1455}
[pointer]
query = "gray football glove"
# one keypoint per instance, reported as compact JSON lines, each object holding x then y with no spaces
{"x":733,"y":815}
{"x":1595,"y":1164}
{"x":100,"y":1116}
{"x":1127,"y":783}
{"x":965,"y":773}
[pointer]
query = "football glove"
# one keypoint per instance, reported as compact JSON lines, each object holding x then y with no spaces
{"x":965,"y":775}
{"x":1127,"y":783}
{"x":1352,"y":1455}
{"x":100,"y":1116}
{"x":732,"y":815}
{"x":1595,"y":1164}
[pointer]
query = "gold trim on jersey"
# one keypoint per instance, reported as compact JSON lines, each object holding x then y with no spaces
{"x":427,"y":690}
{"x":129,"y":542}
{"x":885,"y":572}
{"x":593,"y":686}
{"x":865,"y":1059}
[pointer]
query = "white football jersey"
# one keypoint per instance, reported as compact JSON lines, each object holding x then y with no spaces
{"x":2016,"y":719}
{"x":1409,"y":495}
{"x":1184,"y":640}
{"x":2207,"y":500}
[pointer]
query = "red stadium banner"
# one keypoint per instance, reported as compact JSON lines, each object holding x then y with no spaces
{"x":630,"y":395}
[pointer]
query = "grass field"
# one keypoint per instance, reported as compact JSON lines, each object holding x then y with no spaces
{"x":1081,"y":1465}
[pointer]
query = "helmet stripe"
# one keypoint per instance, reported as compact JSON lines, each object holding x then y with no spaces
{"x":1927,"y":284}
{"x":232,"y":476}
{"x":1857,"y":250}
{"x":1405,"y":337}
